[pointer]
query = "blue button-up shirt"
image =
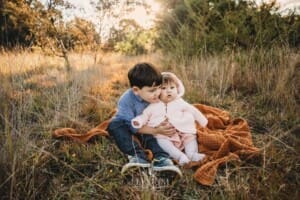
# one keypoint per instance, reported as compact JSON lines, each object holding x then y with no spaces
{"x":130,"y":106}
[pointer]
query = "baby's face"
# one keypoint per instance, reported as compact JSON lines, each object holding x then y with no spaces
{"x":168,"y":92}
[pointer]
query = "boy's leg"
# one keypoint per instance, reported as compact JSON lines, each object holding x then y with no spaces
{"x":123,"y":138}
{"x":150,"y":142}
{"x":161,"y":161}
{"x":173,"y":151}
{"x":191,"y":150}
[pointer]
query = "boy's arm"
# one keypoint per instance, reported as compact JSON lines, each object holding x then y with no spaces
{"x":147,"y":130}
{"x":164,"y":128}
{"x":125,"y":111}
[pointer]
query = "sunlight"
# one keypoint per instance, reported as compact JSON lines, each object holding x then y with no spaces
{"x":143,"y":12}
{"x":140,"y":16}
{"x":143,"y":17}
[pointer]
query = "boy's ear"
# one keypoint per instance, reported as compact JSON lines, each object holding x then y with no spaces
{"x":135,"y":90}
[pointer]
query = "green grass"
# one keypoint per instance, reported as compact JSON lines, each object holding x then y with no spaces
{"x":39,"y":96}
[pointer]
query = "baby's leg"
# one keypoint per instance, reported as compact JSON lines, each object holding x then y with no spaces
{"x":173,"y":151}
{"x":191,"y":150}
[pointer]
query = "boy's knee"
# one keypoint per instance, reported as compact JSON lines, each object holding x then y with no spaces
{"x":115,"y":124}
{"x":117,"y":128}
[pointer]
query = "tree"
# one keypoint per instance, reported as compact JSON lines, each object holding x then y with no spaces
{"x":80,"y":34}
{"x":18,"y":22}
{"x":28,"y":22}
{"x":122,"y":30}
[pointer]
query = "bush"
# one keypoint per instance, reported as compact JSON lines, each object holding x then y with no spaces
{"x":135,"y":43}
{"x":196,"y":27}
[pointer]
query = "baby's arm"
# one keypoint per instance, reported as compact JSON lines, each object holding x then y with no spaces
{"x":142,"y":119}
{"x":199,"y":117}
{"x":164,"y":128}
{"x":139,"y":120}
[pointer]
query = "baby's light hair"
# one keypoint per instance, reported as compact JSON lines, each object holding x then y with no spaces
{"x":168,"y":78}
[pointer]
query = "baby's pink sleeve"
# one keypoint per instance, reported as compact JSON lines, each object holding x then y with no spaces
{"x":141,"y":119}
{"x":199,"y":117}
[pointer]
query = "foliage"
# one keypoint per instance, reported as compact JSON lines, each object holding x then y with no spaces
{"x":32,"y":24}
{"x":17,"y":22}
{"x":29,"y":23}
{"x":79,"y":34}
{"x":131,"y":39}
{"x":194,"y":27}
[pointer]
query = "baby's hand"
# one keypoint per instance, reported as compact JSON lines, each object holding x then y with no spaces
{"x":135,"y":123}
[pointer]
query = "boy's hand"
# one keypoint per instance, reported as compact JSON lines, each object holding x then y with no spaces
{"x":165,"y":128}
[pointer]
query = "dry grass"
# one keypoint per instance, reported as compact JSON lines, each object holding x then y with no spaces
{"x":38,"y":95}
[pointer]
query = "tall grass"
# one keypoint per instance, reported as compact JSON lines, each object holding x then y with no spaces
{"x":268,"y":79}
{"x":39,"y":95}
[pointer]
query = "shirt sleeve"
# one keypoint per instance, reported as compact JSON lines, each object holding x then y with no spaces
{"x":126,"y":112}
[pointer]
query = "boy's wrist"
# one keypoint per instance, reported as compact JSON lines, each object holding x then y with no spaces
{"x":148,"y":130}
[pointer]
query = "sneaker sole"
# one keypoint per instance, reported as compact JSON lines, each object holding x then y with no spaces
{"x":168,"y":168}
{"x":134,"y":165}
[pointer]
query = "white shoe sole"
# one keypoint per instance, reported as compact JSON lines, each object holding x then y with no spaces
{"x":134,"y":165}
{"x":168,"y":168}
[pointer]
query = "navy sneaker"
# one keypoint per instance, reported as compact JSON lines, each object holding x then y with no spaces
{"x":165,"y":164}
{"x":135,"y":161}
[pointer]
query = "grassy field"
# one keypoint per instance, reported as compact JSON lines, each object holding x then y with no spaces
{"x":38,"y":95}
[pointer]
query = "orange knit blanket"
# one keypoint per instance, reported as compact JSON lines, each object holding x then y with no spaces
{"x":223,"y":140}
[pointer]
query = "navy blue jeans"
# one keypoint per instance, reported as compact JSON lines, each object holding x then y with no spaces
{"x":122,"y":135}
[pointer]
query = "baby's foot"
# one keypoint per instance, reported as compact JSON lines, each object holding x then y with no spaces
{"x":183,"y":160}
{"x":197,"y":157}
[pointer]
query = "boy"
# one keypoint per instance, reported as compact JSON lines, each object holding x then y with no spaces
{"x":145,"y":83}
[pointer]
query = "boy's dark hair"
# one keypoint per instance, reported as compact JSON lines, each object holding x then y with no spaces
{"x":144,"y":74}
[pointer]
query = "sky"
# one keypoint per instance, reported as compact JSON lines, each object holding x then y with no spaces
{"x":289,"y":4}
{"x":284,"y":5}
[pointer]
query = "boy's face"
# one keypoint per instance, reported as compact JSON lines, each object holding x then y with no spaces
{"x":148,"y":94}
{"x":168,"y":92}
